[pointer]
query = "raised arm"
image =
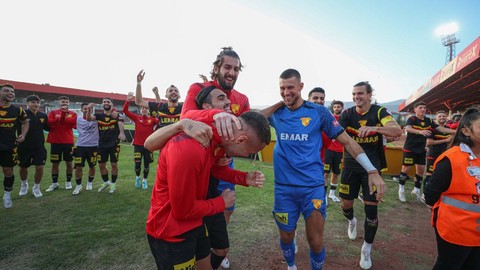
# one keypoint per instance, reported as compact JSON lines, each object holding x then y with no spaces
{"x":126,"y":107}
{"x":267,"y":112}
{"x":157,"y":96}
{"x":138,"y":92}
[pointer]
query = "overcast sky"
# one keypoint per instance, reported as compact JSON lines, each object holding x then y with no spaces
{"x":101,"y":45}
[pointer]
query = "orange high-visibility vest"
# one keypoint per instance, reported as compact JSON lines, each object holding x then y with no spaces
{"x":458,"y":218}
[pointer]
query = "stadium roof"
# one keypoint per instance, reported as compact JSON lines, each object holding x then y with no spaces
{"x":38,"y":89}
{"x":455,"y":87}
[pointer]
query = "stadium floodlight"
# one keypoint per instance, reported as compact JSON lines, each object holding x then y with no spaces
{"x":447,"y":34}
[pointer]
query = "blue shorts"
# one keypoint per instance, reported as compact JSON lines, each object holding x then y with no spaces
{"x":222,"y":185}
{"x":291,"y":201}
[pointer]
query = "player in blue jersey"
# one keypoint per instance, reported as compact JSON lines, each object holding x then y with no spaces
{"x":298,"y":168}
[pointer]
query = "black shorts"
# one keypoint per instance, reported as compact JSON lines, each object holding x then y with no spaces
{"x":180,"y":255}
{"x":140,"y":152}
{"x":28,"y":156}
{"x":217,"y":231}
{"x":412,"y":158}
{"x":8,"y":158}
{"x":59,"y":152}
{"x":86,"y":153}
{"x":333,"y":161}
{"x":430,"y":162}
{"x":108,"y":153}
{"x":350,"y":184}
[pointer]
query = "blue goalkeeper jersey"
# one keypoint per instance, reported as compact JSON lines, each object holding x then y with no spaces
{"x":296,"y":156}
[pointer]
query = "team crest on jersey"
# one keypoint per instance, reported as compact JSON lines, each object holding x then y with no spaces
{"x":362,"y":123}
{"x":171,"y":109}
{"x":42,"y":120}
{"x":422,"y":123}
{"x":305,"y":121}
{"x":317,"y":203}
{"x":149,"y":121}
{"x":107,"y":119}
{"x":235,"y":108}
{"x":336,"y":123}
{"x":3,"y":113}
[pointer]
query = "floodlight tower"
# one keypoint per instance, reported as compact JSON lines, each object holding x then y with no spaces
{"x":447,"y":33}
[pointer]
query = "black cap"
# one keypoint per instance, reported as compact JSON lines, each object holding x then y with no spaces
{"x":203,"y":95}
{"x":32,"y":98}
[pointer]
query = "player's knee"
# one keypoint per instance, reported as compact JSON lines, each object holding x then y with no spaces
{"x":316,"y":244}
{"x":137,"y":166}
{"x":371,"y":215}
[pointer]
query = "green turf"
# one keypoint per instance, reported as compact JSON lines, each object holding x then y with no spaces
{"x":107,"y":231}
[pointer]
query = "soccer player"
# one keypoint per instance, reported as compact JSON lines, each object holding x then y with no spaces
{"x":32,"y":151}
{"x":224,"y":73}
{"x":144,"y":127}
{"x":86,"y":150}
{"x":317,"y":96}
{"x":166,"y":112}
{"x":298,"y":168}
{"x":9,"y":114}
{"x":175,"y":229}
{"x":334,"y":156}
{"x":208,"y":98}
{"x":61,"y":123}
{"x":111,"y":133}
{"x":419,"y":127}
{"x":437,"y":143}
{"x":366,"y":124}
